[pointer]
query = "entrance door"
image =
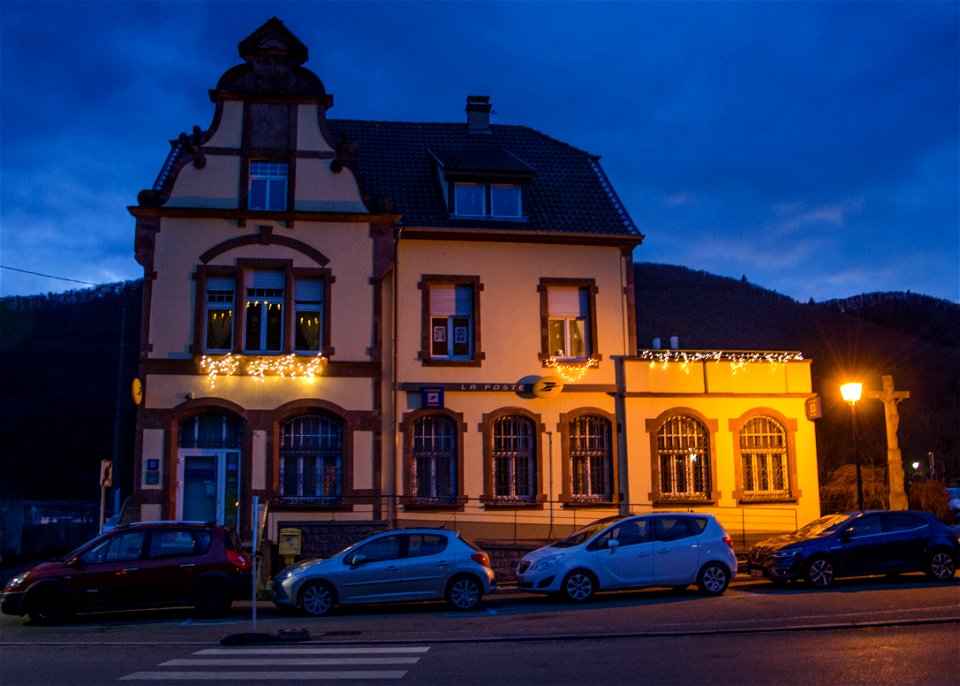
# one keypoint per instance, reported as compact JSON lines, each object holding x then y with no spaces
{"x":209,"y":486}
{"x":201,"y":482}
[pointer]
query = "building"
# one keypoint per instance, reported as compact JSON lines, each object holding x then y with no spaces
{"x":371,"y":323}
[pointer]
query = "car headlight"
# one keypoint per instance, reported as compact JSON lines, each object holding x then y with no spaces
{"x":14,"y":583}
{"x":785,"y":555}
{"x":546,"y":562}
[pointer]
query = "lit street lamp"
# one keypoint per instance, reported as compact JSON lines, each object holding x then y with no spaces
{"x":851,"y":394}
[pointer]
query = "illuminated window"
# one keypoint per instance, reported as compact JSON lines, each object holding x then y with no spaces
{"x":268,"y":186}
{"x":683,"y":455}
{"x":311,"y":459}
{"x":308,"y":315}
{"x":218,"y":327}
{"x":763,"y":458}
{"x":568,"y":324}
{"x":263,"y":331}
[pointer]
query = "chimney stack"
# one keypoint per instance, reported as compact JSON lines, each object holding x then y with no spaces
{"x":478,"y":114}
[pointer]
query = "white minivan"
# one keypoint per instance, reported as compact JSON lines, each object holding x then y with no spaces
{"x":633,"y":551}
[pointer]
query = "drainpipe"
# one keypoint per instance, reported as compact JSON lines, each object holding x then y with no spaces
{"x":392,"y":504}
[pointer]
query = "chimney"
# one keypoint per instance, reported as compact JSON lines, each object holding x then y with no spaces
{"x":478,"y":114}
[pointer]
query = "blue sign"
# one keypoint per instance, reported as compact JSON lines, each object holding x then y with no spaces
{"x":431,"y":398}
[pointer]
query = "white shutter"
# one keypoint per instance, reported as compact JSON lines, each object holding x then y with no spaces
{"x":265,"y":279}
{"x":566,"y":301}
{"x":309,"y":290}
{"x":447,"y":300}
{"x":221,"y":283}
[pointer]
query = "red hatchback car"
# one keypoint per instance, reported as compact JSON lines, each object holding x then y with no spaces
{"x":148,"y":564}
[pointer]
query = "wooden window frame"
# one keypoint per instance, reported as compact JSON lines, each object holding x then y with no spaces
{"x":425,"y":355}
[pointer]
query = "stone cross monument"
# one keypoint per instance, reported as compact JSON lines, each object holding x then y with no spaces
{"x":890,"y":399}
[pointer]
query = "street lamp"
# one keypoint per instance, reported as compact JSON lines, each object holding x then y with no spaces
{"x":851,"y":393}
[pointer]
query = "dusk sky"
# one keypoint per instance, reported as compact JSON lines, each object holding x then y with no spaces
{"x":812,"y":147}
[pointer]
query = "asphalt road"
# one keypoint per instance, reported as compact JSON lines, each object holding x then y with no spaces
{"x":863,"y":631}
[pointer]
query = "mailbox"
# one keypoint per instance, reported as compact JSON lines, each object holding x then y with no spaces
{"x":289,"y":545}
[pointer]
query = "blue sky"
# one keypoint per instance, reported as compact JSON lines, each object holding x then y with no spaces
{"x":809,"y":146}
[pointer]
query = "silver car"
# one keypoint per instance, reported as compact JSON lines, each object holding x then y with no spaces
{"x":392,"y":566}
{"x":633,"y":551}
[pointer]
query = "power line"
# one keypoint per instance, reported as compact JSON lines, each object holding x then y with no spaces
{"x":48,"y":276}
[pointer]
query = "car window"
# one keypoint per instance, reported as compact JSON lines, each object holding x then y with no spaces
{"x":867,"y":525}
{"x":672,"y":528}
{"x":630,"y":532}
{"x":421,"y":545}
{"x":378,"y":550}
{"x":123,"y":547}
{"x":822,"y":526}
{"x":903,"y":521}
{"x":586,"y":533}
{"x":173,"y":543}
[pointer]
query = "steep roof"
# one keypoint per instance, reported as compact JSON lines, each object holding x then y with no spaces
{"x":565,"y":189}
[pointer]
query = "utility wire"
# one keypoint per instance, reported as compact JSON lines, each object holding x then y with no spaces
{"x":48,"y":276}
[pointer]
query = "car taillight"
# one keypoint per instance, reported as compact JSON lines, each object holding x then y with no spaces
{"x":480,"y":558}
{"x":238,"y":560}
{"x":728,"y":540}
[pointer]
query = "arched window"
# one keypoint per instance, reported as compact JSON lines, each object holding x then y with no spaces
{"x":591,"y":458}
{"x":311,"y":459}
{"x":683,"y":449}
{"x":434,"y":458}
{"x":211,"y":430}
{"x":513,"y":446}
{"x":763,"y":458}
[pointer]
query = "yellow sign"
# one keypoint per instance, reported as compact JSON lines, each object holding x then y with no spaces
{"x":547,"y":387}
{"x":136,"y":391}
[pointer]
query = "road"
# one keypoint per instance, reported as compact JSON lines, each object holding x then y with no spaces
{"x":864,"y":631}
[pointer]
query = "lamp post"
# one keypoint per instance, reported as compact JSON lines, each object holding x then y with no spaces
{"x":851,"y":394}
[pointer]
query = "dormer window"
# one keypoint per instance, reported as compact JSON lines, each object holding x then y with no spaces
{"x":505,"y":201}
{"x":268,"y":186}
{"x":487,"y":200}
{"x":470,"y":199}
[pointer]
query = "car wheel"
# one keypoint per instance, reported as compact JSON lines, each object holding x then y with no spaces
{"x":212,"y":599}
{"x":317,"y":598}
{"x":942,"y":566}
{"x":820,"y":572}
{"x":47,"y":607}
{"x":578,"y":586}
{"x":464,"y":593}
{"x":713,"y":579}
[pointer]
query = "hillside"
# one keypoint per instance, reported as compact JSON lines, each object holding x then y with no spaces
{"x":60,"y":356}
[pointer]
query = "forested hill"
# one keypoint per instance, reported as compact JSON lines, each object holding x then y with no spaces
{"x":67,"y":361}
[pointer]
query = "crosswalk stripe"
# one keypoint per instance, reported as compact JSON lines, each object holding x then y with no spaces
{"x":291,"y":661}
{"x":247,"y":677}
{"x":314,"y":651}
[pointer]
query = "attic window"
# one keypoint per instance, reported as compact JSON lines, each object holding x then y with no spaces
{"x":268,"y":186}
{"x":487,"y":200}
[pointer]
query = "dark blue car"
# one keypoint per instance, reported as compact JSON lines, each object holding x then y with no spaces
{"x":858,"y":544}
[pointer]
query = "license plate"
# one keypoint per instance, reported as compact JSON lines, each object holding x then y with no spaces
{"x":756,"y":572}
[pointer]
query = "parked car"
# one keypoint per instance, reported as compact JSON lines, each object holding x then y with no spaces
{"x":391,"y":566}
{"x":857,"y":544}
{"x":953,"y":493}
{"x":149,"y":564}
{"x":625,"y":552}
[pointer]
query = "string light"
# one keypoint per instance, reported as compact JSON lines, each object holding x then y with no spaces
{"x":737,"y":359}
{"x":570,"y":372}
{"x":261,"y":366}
